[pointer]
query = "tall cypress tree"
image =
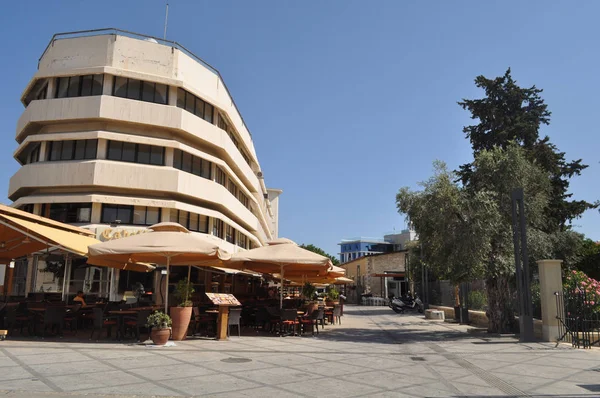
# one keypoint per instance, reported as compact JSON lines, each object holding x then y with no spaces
{"x":509,"y":113}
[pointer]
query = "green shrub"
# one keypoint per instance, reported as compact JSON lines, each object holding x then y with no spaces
{"x":159,"y":320}
{"x":477,"y":300}
{"x":333,"y":294}
{"x":184,"y":293}
{"x":309,"y":290}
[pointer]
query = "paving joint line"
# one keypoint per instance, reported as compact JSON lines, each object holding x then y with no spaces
{"x":484,"y":375}
{"x":34,"y":373}
{"x":143,"y":378}
{"x":241,"y":377}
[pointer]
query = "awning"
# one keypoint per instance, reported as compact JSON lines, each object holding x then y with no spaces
{"x":236,"y":271}
{"x":40,"y":237}
{"x":71,"y":242}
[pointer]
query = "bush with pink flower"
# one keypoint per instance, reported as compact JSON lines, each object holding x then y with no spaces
{"x":580,"y":283}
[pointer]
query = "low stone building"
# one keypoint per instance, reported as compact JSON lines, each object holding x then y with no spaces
{"x":379,"y":274}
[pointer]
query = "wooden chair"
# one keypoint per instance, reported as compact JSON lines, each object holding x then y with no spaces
{"x":312,"y":320}
{"x":54,"y":316}
{"x":137,"y":322}
{"x":101,"y":322}
{"x":289,"y":319}
{"x":72,"y":317}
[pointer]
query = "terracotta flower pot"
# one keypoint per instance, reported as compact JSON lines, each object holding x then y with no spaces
{"x":181,"y":320}
{"x":160,"y":336}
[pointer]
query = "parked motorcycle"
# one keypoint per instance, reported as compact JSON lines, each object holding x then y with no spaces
{"x":406,"y":303}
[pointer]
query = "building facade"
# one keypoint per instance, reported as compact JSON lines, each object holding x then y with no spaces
{"x":352,"y":249}
{"x":379,"y":275}
{"x":120,"y":132}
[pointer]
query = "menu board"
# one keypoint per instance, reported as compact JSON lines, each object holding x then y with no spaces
{"x":223,"y":299}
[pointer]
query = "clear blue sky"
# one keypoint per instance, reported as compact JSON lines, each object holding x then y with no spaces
{"x":349,"y":100}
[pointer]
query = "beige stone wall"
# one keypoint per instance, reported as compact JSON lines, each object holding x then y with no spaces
{"x":362,"y":270}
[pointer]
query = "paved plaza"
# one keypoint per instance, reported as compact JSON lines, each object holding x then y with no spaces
{"x":374,"y":353}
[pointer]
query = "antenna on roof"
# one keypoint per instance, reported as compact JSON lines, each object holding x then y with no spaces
{"x":166,"y":19}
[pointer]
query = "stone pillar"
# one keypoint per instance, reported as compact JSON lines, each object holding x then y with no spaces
{"x":172,"y":96}
{"x":169,"y":155}
{"x":107,"y":86}
{"x":102,"y":149}
{"x":550,"y":282}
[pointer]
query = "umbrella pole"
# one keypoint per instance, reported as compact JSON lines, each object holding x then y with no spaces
{"x":187,"y":289}
{"x":167,"y":292}
{"x":281,"y":291}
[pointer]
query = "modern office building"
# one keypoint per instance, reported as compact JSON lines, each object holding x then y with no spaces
{"x":354,"y":248}
{"x":121,"y":131}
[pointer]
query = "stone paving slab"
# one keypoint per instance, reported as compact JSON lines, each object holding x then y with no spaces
{"x":374,"y":353}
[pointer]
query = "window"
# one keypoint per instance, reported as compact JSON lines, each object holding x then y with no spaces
{"x":243,"y":199}
{"x":229,"y":233}
{"x":143,"y":215}
{"x":220,"y":177}
{"x":28,"y":208}
{"x":192,"y":221}
{"x":136,"y":153}
{"x":113,"y":213}
{"x":42,"y":93}
{"x":195,"y":105}
{"x":191,"y":164}
{"x":141,"y":90}
{"x":70,"y":212}
{"x":218,"y":228}
{"x":72,"y":150}
{"x":223,"y":124}
{"x":79,"y":86}
{"x":242,"y":240}
{"x":34,"y":155}
{"x":232,"y":187}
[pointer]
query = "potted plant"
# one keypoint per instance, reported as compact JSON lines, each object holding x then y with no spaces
{"x":182,"y":314}
{"x":308,"y":291}
{"x":332,"y":297}
{"x":160,"y":327}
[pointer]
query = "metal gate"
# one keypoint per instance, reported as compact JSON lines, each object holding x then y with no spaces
{"x":579,"y":318}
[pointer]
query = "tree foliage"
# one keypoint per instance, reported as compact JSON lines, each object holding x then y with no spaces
{"x":320,"y":251}
{"x":508,"y":114}
{"x":452,"y":228}
{"x":589,"y":259}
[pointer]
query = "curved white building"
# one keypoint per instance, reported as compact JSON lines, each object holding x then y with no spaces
{"x":121,"y":131}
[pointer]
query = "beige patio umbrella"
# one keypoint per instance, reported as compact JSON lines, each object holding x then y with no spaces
{"x":281,"y":256}
{"x":168,"y":243}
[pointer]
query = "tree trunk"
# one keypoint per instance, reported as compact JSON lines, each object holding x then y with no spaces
{"x":500,"y":313}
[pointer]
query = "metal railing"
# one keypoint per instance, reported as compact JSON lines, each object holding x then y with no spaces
{"x":579,"y":320}
{"x":139,"y":36}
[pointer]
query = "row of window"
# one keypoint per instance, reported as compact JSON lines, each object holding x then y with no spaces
{"x":124,"y":214}
{"x":195,"y":105}
{"x":141,"y":90}
{"x":79,"y":86}
{"x":221,"y":178}
{"x":192,"y":221}
{"x":140,"y":215}
{"x":191,"y":164}
{"x":223,"y":124}
{"x":135,"y":153}
{"x":70,"y":150}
